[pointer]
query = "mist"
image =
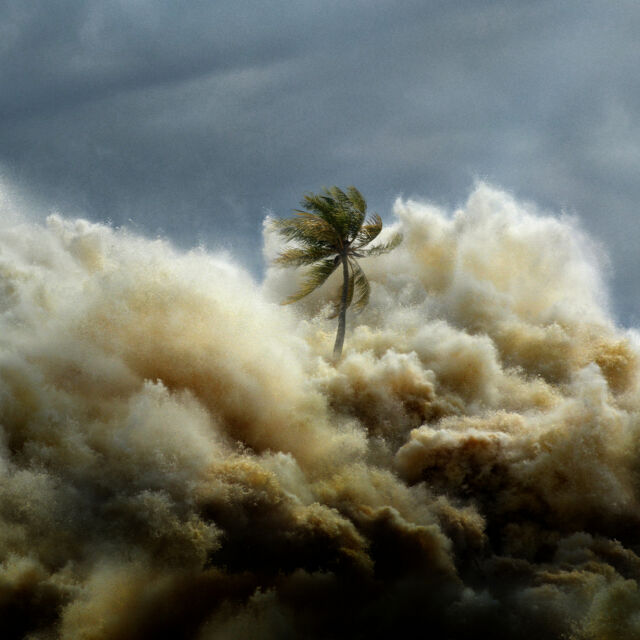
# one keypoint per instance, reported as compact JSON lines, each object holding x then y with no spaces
{"x":180,"y":457}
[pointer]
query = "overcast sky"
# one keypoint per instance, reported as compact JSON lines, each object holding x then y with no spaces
{"x":192,"y":119}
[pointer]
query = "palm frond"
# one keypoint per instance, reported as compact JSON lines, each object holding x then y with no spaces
{"x":305,"y":229}
{"x":382,"y":248}
{"x":328,"y":209}
{"x":368,"y":232}
{"x":320,"y":227}
{"x":344,"y":211}
{"x":351,"y":286}
{"x":316,"y":277}
{"x":300,"y":257}
{"x":349,"y":212}
{"x":357,"y":199}
{"x":357,"y":210}
{"x":361,"y":285}
{"x":340,"y":200}
{"x":319,"y":203}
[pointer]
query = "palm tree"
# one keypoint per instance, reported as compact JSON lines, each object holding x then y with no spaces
{"x":332,"y":230}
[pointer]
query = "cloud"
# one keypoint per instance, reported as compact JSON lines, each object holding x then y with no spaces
{"x":191,"y":124}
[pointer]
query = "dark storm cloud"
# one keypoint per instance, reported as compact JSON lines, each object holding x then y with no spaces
{"x":192,"y":122}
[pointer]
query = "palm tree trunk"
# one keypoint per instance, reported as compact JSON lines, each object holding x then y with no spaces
{"x":342,"y":317}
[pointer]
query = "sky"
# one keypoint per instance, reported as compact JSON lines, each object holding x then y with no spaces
{"x":180,"y":457}
{"x":195,"y":121}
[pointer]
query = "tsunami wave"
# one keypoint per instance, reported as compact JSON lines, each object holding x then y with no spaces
{"x":180,"y":458}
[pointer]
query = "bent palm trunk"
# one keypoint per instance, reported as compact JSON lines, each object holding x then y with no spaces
{"x":342,"y":317}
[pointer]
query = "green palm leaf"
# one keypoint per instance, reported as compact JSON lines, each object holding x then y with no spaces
{"x":328,"y":209}
{"x":382,"y":248}
{"x":361,"y":285}
{"x":348,"y":216}
{"x":301,"y":257}
{"x":368,"y":232}
{"x":357,"y":200}
{"x":350,"y":210}
{"x":316,"y":277}
{"x":305,"y":229}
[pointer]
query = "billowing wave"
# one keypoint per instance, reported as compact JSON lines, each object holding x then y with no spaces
{"x":180,"y":458}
